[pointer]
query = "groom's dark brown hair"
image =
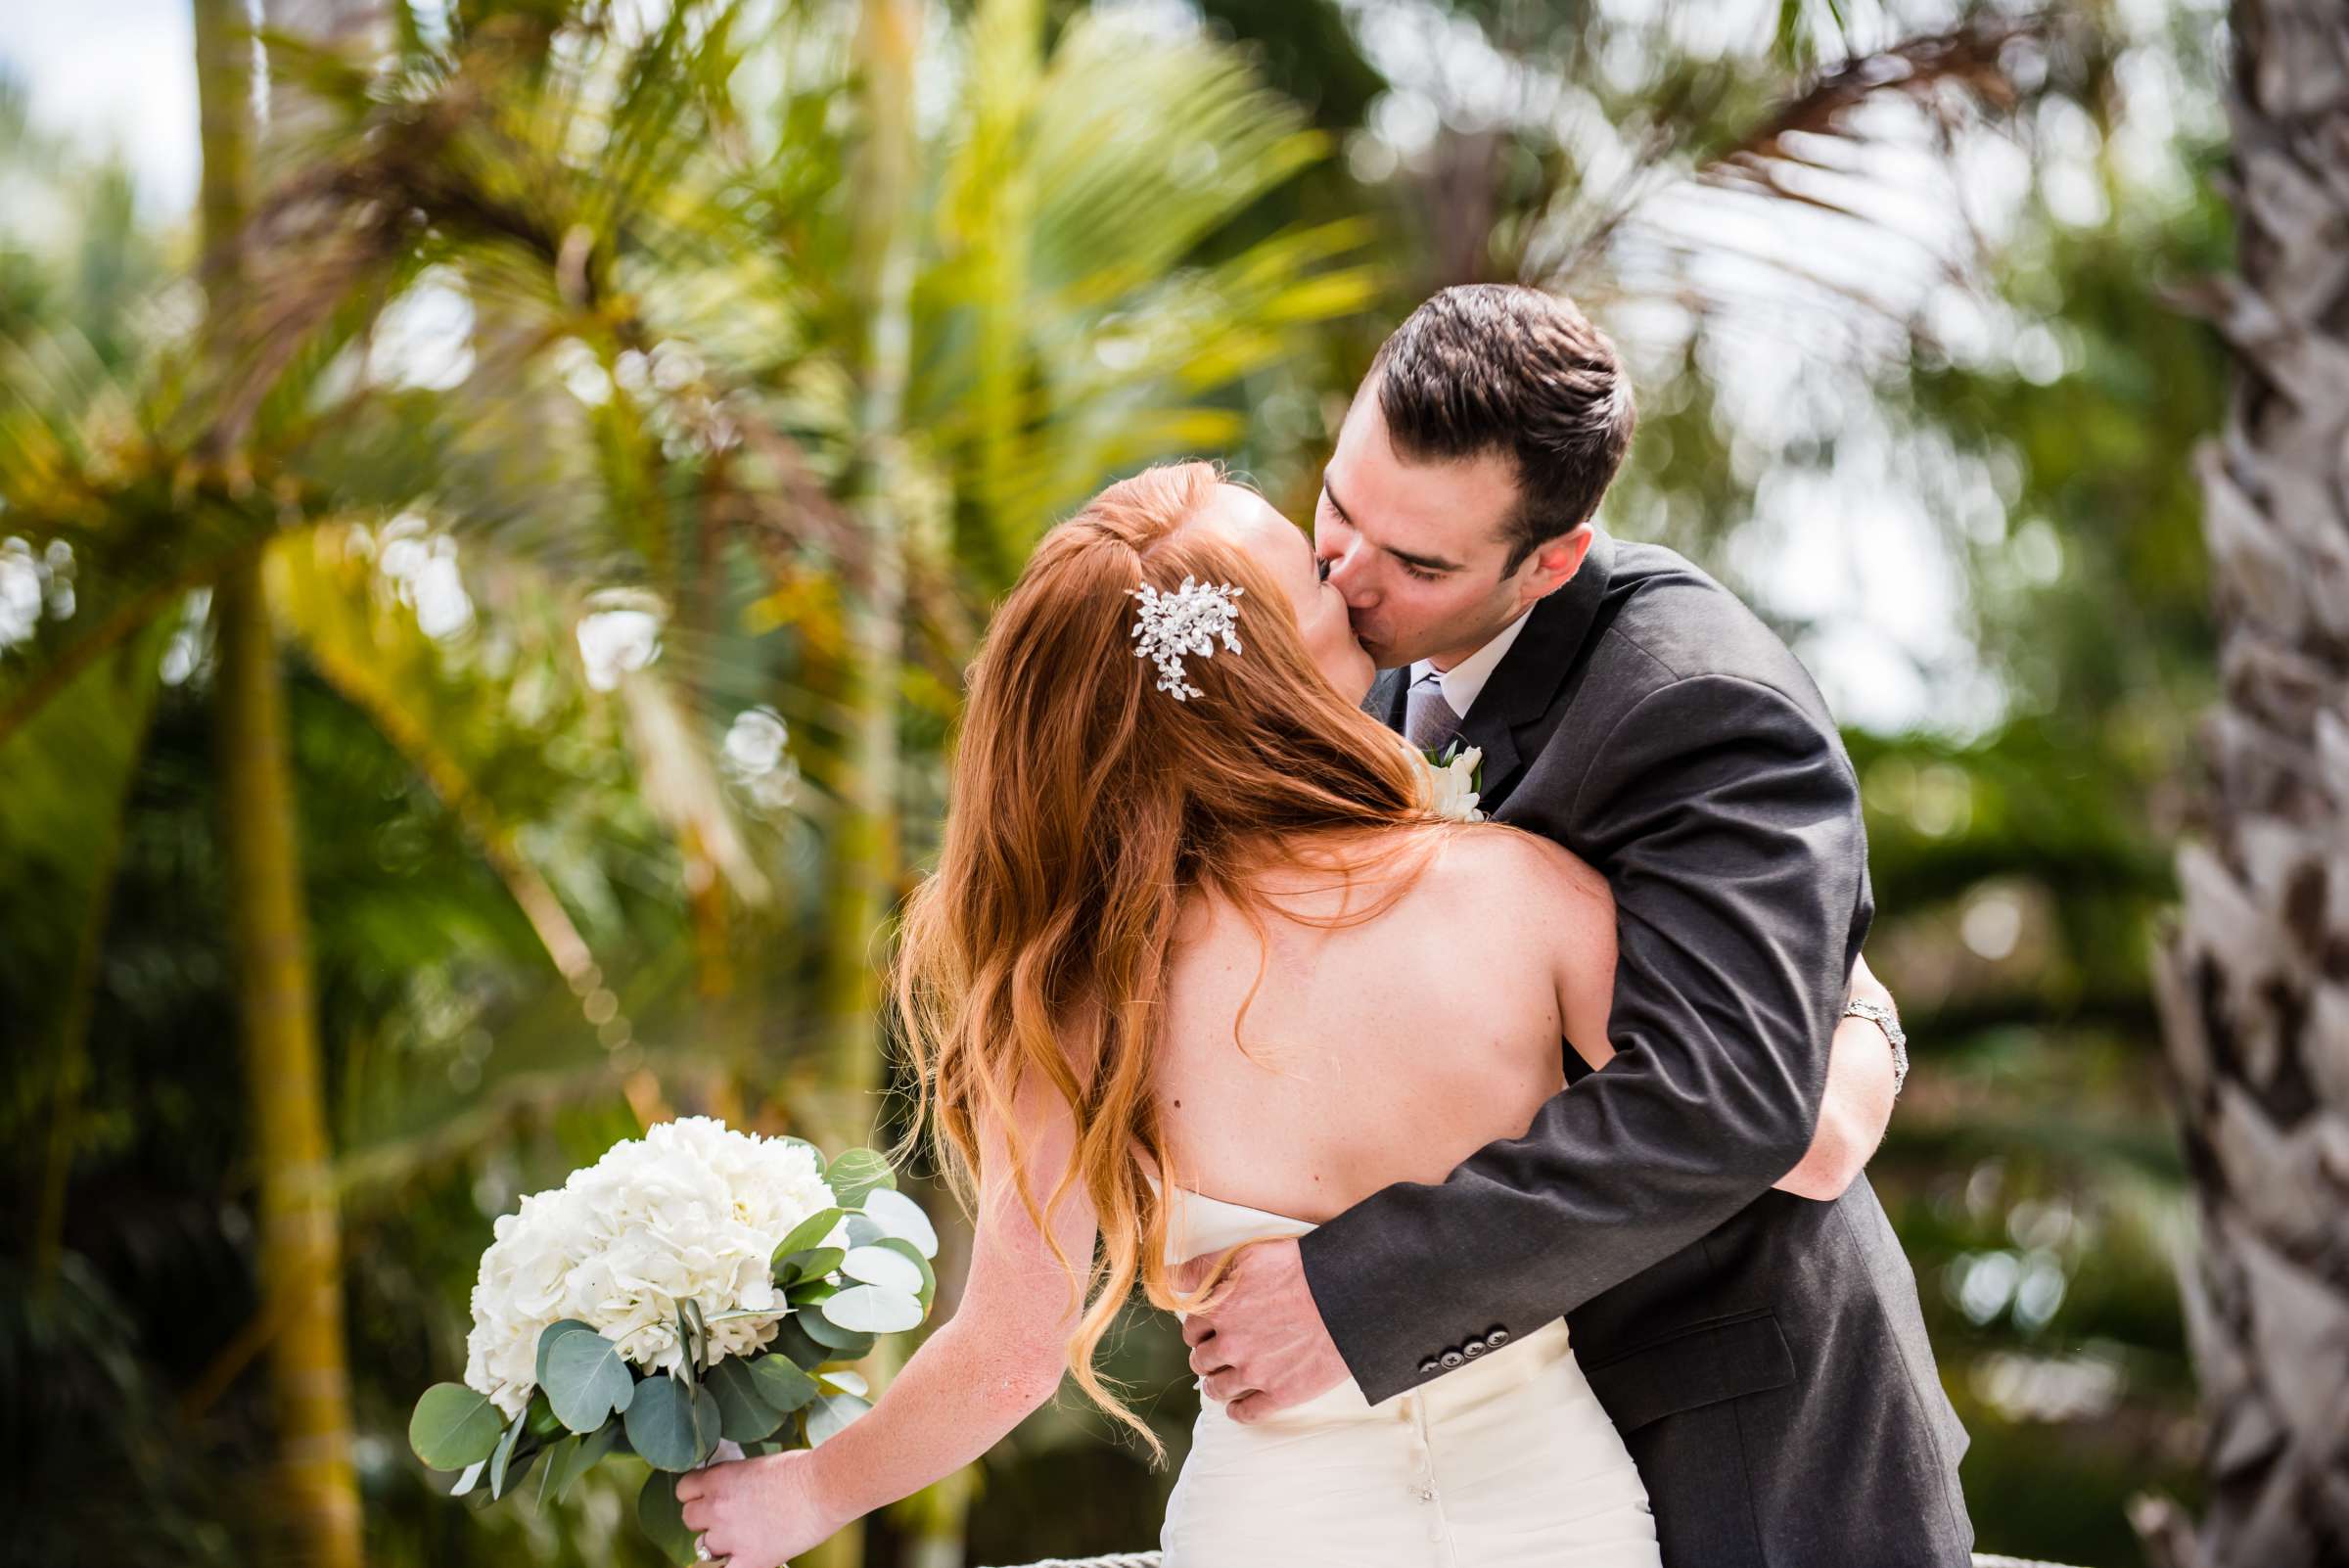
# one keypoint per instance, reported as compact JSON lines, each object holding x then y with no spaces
{"x":1499,"y":367}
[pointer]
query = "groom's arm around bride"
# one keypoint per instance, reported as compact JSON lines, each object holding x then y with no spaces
{"x":1765,"y":1355}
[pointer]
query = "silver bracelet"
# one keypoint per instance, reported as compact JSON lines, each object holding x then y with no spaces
{"x":1885,"y":1019}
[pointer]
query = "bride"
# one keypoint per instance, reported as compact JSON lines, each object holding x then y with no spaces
{"x":1178,"y":945}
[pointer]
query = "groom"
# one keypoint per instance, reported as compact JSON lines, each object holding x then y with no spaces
{"x":1763,"y":1354}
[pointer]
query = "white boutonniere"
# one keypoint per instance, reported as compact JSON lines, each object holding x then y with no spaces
{"x":1452,"y":780}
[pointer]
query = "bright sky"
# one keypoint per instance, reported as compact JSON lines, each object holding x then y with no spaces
{"x":117,"y":74}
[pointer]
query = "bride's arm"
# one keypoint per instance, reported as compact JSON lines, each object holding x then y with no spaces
{"x":972,"y":1381}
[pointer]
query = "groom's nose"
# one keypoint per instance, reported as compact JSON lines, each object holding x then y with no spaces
{"x":1346,"y":573}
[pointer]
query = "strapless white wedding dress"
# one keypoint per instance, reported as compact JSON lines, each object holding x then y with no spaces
{"x":1507,"y":1462}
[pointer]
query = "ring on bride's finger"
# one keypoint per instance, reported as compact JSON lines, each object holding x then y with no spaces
{"x":701,"y":1551}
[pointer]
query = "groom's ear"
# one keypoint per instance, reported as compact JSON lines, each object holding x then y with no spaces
{"x":1553,"y":563}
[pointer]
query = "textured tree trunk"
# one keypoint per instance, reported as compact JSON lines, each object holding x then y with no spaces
{"x":2255,"y":979}
{"x":300,"y":1260}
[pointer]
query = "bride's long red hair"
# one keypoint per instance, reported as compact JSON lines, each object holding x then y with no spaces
{"x":1088,"y":806}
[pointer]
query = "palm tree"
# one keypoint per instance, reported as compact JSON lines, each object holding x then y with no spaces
{"x":300,"y":1261}
{"x":2250,"y":979}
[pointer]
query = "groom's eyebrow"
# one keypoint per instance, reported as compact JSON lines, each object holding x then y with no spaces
{"x":1425,"y":563}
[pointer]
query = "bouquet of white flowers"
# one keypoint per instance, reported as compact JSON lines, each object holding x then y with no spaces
{"x":693,"y":1286}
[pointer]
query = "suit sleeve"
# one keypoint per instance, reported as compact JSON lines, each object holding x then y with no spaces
{"x":1728,"y":821}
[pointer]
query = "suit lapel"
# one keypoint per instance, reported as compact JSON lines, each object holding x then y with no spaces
{"x":1386,"y":700}
{"x":1527,"y":679}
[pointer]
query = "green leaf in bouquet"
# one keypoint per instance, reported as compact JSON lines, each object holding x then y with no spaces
{"x":501,"y":1460}
{"x":558,"y":1457}
{"x":885,"y":1266}
{"x":586,"y":1380}
{"x":795,"y":1343}
{"x":671,"y":1425}
{"x":742,"y":1411}
{"x":856,"y":1172}
{"x":873,"y":1309}
{"x":782,"y":1385}
{"x":831,"y":1414}
{"x":841,"y":1380}
{"x":810,"y":1262}
{"x":662,"y":1518}
{"x":689,"y":1342}
{"x":863,"y":1232}
{"x":929,"y":1291}
{"x":844,"y":1343}
{"x":552,"y":1332}
{"x":902,"y":1217}
{"x":470,"y":1479}
{"x":453,"y":1427}
{"x":540,"y":1425}
{"x":812,"y":1292}
{"x":808,"y":1233}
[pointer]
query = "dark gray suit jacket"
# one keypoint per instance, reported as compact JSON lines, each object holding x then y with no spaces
{"x":1764,"y":1355}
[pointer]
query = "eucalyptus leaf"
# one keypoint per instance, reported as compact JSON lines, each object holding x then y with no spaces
{"x":812,"y":1262}
{"x":662,"y":1518}
{"x":689,"y":1355}
{"x":502,"y":1459}
{"x":587,"y":1379}
{"x":808,"y":1232}
{"x":901,"y":1215}
{"x":905,"y":1248}
{"x":796,"y":1345}
{"x":744,"y":1414}
{"x":558,"y":1457}
{"x":782,"y":1385}
{"x":873,"y":1309}
{"x":470,"y":1479}
{"x":708,"y":1424}
{"x":845,"y":1344}
{"x":848,"y":1382}
{"x":831,"y":1414}
{"x":552,"y":1332}
{"x":856,"y":1172}
{"x":884,"y":1266}
{"x":863,"y":1232}
{"x":660,"y":1425}
{"x":812,"y":1292}
{"x":453,"y":1427}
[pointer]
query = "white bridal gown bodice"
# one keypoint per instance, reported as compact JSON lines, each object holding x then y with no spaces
{"x":1507,"y":1462}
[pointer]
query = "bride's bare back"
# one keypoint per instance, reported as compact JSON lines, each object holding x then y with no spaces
{"x":1390,"y":1050}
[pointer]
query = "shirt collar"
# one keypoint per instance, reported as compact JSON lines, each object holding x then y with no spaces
{"x":1464,"y":681}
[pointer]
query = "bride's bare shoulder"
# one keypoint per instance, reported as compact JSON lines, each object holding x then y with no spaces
{"x":1494,"y":862}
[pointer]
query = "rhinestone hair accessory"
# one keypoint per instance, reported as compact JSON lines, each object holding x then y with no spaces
{"x":1188,"y":621}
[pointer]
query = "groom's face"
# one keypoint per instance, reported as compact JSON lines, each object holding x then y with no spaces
{"x":1420,"y":549}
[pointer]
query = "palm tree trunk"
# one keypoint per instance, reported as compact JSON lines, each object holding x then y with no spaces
{"x":2254,"y":982}
{"x":300,"y":1235}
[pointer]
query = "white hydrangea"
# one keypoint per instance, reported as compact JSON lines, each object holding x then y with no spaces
{"x":689,"y":1209}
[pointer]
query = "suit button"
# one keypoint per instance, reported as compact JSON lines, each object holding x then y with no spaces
{"x":1430,"y":1366}
{"x":1473,"y":1348}
{"x":1497,"y":1337}
{"x":1452,"y":1357}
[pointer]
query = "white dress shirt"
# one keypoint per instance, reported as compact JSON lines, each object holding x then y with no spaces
{"x":1462,"y":683}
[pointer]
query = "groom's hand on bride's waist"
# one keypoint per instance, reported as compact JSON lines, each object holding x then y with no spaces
{"x":1259,"y":1347}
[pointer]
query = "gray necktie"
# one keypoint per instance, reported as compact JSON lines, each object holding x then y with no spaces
{"x":1428,"y":722}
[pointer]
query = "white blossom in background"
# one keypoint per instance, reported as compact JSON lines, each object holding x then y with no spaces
{"x":756,"y":757}
{"x":616,"y":641}
{"x":690,"y":1210}
{"x":422,"y":566}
